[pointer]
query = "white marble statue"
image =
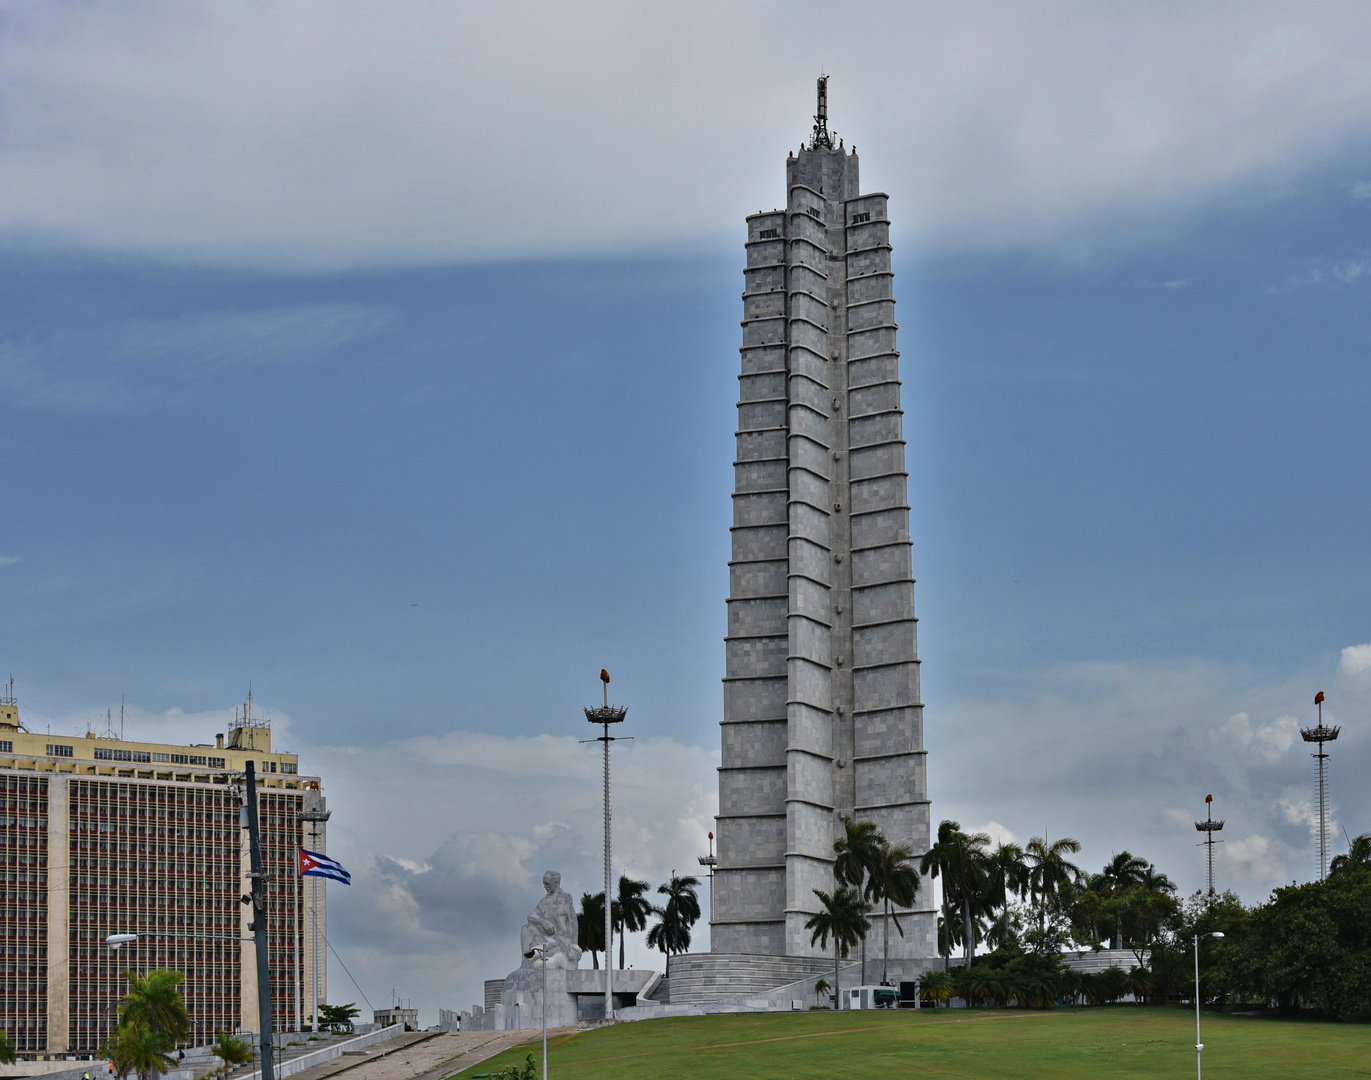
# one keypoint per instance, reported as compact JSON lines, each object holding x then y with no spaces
{"x":553,"y":927}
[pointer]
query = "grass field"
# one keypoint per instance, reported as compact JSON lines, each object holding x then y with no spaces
{"x":1119,"y":1041}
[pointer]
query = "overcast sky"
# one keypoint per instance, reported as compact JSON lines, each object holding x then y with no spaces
{"x":385,"y":357}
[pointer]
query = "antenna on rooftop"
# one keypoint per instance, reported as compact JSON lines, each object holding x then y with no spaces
{"x":822,"y":136}
{"x":121,"y":717}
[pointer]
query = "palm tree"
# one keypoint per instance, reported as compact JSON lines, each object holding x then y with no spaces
{"x":1358,"y":856}
{"x":6,"y":1048}
{"x":231,"y":1051}
{"x":590,"y":926}
{"x":678,"y":915}
{"x":154,"y":1000}
{"x":843,"y":919}
{"x":1048,"y":869}
{"x":820,"y":989}
{"x":936,"y":861}
{"x":629,"y":911}
{"x":1121,"y":873}
{"x":857,"y":854}
{"x":1008,"y":874}
{"x":135,"y":1047}
{"x":895,"y":884}
{"x":966,"y":872}
{"x":936,"y":986}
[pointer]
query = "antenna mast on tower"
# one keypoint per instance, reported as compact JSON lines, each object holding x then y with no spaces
{"x":1321,"y":735}
{"x":822,"y":136}
{"x":1209,"y":827}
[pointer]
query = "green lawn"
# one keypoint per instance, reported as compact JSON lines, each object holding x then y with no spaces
{"x":1119,"y":1041}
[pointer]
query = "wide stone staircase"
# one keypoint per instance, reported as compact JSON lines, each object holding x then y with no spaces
{"x":708,"y":978}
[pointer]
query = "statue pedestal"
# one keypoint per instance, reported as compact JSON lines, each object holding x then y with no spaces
{"x":523,"y":999}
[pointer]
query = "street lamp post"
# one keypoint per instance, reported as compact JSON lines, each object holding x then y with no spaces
{"x":539,"y":953}
{"x":1199,"y":1046}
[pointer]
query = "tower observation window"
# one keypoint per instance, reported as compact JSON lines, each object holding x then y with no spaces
{"x":769,"y":234}
{"x":865,"y":215}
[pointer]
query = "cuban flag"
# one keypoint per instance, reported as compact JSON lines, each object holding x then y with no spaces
{"x":312,"y":863}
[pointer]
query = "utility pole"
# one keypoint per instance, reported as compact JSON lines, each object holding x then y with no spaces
{"x":258,"y":898}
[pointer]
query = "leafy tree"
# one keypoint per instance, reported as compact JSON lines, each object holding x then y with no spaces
{"x":894,"y":883}
{"x":230,"y":1050}
{"x":1358,"y":856}
{"x":856,"y":852}
{"x":821,"y":988}
{"x":338,"y":1017}
{"x":527,"y":1071}
{"x":1309,"y":946}
{"x":680,"y":912}
{"x":630,"y":911}
{"x":135,"y":1047}
{"x":155,"y":1000}
{"x":590,"y":926}
{"x":6,"y":1048}
{"x":843,"y":919}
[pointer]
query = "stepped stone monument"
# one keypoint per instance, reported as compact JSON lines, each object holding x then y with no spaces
{"x":822,"y":716}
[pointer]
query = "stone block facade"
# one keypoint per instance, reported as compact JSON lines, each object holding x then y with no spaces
{"x":822,"y":717}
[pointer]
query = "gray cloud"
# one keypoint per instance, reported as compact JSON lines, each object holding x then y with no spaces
{"x":319,"y":135}
{"x":151,"y":362}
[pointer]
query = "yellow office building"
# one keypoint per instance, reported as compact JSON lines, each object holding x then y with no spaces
{"x":100,"y":835}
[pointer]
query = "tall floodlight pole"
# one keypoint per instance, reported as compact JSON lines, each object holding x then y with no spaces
{"x":1209,"y":827}
{"x":709,"y":862}
{"x":1321,"y":735}
{"x":605,"y":715}
{"x":258,"y":897}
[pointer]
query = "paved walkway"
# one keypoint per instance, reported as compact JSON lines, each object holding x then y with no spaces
{"x":423,"y":1055}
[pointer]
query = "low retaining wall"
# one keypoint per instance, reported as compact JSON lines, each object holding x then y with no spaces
{"x":329,"y":1053}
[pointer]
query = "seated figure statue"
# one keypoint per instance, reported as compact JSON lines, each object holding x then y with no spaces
{"x":552,"y":927}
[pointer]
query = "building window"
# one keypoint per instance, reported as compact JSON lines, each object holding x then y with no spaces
{"x":857,"y":219}
{"x":161,"y":757}
{"x":289,"y":767}
{"x":813,"y":211}
{"x":197,"y":760}
{"x":180,"y":759}
{"x":6,"y":747}
{"x":103,"y":753}
{"x":216,"y":763}
{"x":769,"y":234}
{"x":123,"y":755}
{"x":59,"y":751}
{"x":141,"y":755}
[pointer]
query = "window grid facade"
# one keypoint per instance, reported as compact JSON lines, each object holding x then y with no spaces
{"x":23,"y":911}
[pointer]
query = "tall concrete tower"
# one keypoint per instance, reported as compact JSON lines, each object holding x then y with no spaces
{"x":822,"y":717}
